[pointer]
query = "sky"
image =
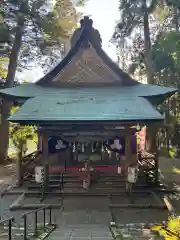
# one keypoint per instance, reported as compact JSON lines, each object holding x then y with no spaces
{"x":104,"y":14}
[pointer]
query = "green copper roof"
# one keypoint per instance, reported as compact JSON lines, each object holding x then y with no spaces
{"x":33,"y":90}
{"x":100,"y":108}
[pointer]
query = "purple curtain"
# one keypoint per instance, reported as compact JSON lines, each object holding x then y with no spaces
{"x":121,"y":139}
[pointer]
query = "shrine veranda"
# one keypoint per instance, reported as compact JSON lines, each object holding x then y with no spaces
{"x":87,"y":111}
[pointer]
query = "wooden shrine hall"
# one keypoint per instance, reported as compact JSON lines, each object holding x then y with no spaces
{"x":87,"y":110}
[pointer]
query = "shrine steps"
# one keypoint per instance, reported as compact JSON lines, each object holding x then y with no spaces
{"x":104,"y":184}
{"x":98,"y":187}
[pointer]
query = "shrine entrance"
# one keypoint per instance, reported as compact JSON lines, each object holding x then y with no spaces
{"x":91,"y":155}
{"x":105,"y":153}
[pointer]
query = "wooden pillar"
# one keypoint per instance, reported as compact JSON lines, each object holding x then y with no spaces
{"x":155,"y":153}
{"x":131,"y":161}
{"x":128,"y":148}
{"x":19,"y":166}
{"x":45,"y":160}
{"x":156,"y":169}
{"x":128,"y":156}
{"x":71,"y":160}
{"x":156,"y":159}
{"x":39,"y":145}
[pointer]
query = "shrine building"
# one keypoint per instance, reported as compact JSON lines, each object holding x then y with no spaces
{"x":87,"y":110}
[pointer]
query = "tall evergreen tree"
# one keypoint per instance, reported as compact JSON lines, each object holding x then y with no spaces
{"x":28,"y":23}
{"x":135,"y":14}
{"x":154,"y":31}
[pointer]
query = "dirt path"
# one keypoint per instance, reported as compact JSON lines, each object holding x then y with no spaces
{"x":7,"y":176}
{"x":168,"y":169}
{"x":170,"y":174}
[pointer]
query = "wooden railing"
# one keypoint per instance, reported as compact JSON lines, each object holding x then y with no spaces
{"x":148,"y":163}
{"x":30,"y":156}
{"x":9,"y":221}
{"x":29,"y":163}
{"x":148,"y":160}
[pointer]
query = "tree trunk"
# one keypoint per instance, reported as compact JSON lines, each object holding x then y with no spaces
{"x":4,"y":130}
{"x":6,"y":104}
{"x":147,"y":47}
{"x":176,"y":20}
{"x":151,"y":136}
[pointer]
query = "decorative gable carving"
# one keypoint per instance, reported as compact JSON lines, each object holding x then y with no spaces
{"x":86,"y":67}
{"x":86,"y":63}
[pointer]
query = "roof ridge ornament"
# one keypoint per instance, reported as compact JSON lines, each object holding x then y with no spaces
{"x":90,"y":34}
{"x":86,"y":22}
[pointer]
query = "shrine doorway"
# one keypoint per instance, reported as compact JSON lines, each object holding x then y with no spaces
{"x":102,"y":150}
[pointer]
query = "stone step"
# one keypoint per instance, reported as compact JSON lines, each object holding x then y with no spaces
{"x":117,"y":178}
{"x":77,"y":177}
{"x":91,"y":192}
{"x":72,"y":185}
{"x":38,"y":186}
{"x":136,"y":233}
{"x":75,"y":188}
{"x":98,"y":186}
{"x":79,"y":184}
{"x":18,"y":231}
{"x":58,"y":235}
{"x":79,"y":181}
{"x":58,"y":176}
{"x":111,"y":179}
{"x":56,"y":181}
{"x":78,"y":231}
